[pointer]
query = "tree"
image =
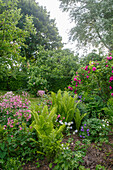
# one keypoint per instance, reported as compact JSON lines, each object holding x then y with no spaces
{"x":52,"y":67}
{"x":12,"y":38}
{"x":93,"y":21}
{"x":47,"y":32}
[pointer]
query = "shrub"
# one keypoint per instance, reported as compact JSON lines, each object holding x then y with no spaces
{"x":95,"y":78}
{"x":15,"y":131}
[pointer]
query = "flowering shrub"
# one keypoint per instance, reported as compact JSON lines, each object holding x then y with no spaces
{"x":97,"y":77}
{"x":14,"y":111}
{"x":40,"y":93}
{"x":15,"y":120}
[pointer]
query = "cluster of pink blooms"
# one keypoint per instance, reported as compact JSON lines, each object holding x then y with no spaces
{"x":40,"y":93}
{"x":14,"y":110}
{"x":78,"y":81}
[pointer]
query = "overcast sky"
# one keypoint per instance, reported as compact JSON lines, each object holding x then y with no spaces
{"x":63,"y":22}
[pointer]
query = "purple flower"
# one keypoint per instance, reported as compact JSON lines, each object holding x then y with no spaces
{"x":80,"y":136}
{"x":83,"y":136}
{"x":84,"y":124}
{"x":87,"y":130}
{"x":79,"y":97}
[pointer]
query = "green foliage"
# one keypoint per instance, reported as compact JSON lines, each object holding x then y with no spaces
{"x":100,"y":167}
{"x":65,"y":104}
{"x":94,"y":105}
{"x":13,"y":164}
{"x":109,"y":109}
{"x":47,"y":33}
{"x":68,"y":159}
{"x":11,"y":37}
{"x":49,"y":137}
{"x":78,"y":118}
{"x":94,"y":81}
{"x":15,"y":131}
{"x":53,"y":67}
{"x":93,"y":22}
{"x":94,"y":129}
{"x":90,"y":57}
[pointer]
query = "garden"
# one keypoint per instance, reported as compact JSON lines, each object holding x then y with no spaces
{"x":70,"y":129}
{"x":56,"y":108}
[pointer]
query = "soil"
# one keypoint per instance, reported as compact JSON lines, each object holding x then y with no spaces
{"x":95,"y":155}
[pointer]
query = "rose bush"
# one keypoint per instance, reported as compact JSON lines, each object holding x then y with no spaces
{"x":95,"y":78}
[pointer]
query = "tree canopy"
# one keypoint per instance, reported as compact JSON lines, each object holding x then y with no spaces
{"x":47,"y":33}
{"x":12,"y":38}
{"x":93,"y":21}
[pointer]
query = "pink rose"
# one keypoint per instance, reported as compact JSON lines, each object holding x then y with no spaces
{"x":110,"y":87}
{"x":94,"y":68}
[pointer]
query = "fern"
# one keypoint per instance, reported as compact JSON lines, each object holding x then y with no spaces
{"x":78,"y":118}
{"x":49,"y":137}
{"x":65,"y":104}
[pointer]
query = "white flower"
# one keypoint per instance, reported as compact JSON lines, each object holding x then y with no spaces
{"x":67,"y":148}
{"x":76,"y":131}
{"x":61,"y":122}
{"x":66,"y":123}
{"x":107,"y":124}
{"x":69,"y":123}
{"x":104,"y":125}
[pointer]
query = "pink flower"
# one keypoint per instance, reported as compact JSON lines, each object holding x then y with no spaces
{"x":94,"y":68}
{"x":111,"y":78}
{"x":58,"y":116}
{"x":70,"y":88}
{"x":12,"y":136}
{"x":110,"y":87}
{"x":75,"y":79}
{"x":107,"y":57}
{"x":110,"y":57}
{"x":112,"y":94}
{"x":63,"y":117}
{"x":112,"y":71}
{"x":106,"y":65}
{"x":75,"y":91}
{"x":89,"y":71}
{"x":86,"y":68}
{"x":20,"y":128}
{"x":87,"y":76}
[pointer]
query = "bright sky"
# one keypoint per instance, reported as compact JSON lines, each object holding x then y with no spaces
{"x":63,"y":22}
